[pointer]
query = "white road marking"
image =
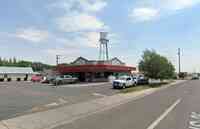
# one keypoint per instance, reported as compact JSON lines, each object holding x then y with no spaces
{"x":194,"y":125}
{"x":98,"y":94}
{"x":195,"y":122}
{"x":61,"y":101}
{"x":160,"y":118}
{"x":51,"y":105}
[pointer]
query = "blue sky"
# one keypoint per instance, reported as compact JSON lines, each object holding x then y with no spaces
{"x":37,"y":30}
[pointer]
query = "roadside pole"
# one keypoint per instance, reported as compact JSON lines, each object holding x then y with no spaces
{"x":179,"y":61}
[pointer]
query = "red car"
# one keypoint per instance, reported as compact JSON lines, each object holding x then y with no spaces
{"x":36,"y":78}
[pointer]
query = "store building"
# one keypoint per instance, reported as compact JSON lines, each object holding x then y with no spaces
{"x":95,"y":71}
{"x":15,"y":73}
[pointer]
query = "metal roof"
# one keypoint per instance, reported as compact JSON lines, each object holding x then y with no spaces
{"x":16,"y":70}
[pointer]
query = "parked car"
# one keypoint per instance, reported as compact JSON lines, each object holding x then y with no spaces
{"x":195,"y":76}
{"x":47,"y":79}
{"x":36,"y":78}
{"x":141,"y":80}
{"x":124,"y":82}
{"x":64,"y":79}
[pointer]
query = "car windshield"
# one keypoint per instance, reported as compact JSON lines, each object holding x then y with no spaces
{"x":134,"y":77}
{"x":68,"y":76}
{"x":61,"y":76}
{"x":123,"y":78}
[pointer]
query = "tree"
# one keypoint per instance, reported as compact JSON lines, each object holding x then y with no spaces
{"x":5,"y":61}
{"x":10,"y":62}
{"x":1,"y":61}
{"x":156,"y":66}
{"x":23,"y":63}
{"x":37,"y":66}
{"x":14,"y":60}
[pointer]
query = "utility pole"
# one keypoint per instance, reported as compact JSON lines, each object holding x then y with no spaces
{"x":57,"y":59}
{"x":179,"y":60}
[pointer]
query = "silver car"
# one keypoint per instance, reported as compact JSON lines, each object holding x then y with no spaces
{"x":64,"y":79}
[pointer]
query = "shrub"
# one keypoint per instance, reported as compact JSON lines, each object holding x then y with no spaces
{"x":9,"y":79}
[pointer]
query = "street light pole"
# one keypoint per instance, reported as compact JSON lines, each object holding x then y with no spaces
{"x":179,"y":60}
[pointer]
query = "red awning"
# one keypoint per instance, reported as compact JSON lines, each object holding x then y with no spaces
{"x":94,"y":68}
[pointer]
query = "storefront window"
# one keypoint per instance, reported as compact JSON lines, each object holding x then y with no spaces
{"x":99,"y":75}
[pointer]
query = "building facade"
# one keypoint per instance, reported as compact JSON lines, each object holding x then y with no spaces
{"x":15,"y":73}
{"x":95,"y":71}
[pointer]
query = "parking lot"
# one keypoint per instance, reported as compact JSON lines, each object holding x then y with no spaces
{"x":19,"y":98}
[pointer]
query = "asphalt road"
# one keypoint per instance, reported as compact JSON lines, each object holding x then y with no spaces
{"x":177,"y":107}
{"x":19,"y":98}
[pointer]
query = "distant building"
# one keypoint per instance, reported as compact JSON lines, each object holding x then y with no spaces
{"x":15,"y":73}
{"x":83,"y":61}
{"x":94,"y":70}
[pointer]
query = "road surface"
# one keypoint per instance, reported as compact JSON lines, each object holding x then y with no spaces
{"x":19,"y":98}
{"x":177,"y":107}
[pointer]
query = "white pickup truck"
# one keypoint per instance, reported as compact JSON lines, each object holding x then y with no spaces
{"x":124,"y":82}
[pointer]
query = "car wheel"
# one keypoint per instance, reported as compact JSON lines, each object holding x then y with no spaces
{"x":124,"y":86}
{"x":60,"y":83}
{"x":57,"y":83}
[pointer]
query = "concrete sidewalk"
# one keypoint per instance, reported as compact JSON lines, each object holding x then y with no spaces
{"x":63,"y":115}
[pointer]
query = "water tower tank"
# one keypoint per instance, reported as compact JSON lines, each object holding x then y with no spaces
{"x":103,"y":35}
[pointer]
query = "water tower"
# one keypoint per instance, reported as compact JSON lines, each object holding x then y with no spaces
{"x":103,"y":49}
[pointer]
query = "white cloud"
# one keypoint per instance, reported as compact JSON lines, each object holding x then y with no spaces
{"x":84,"y":40}
{"x":90,"y":6}
{"x":80,"y":15}
{"x":33,"y":35}
{"x":179,"y":4}
{"x":81,"y":23}
{"x":144,"y":14}
{"x":60,"y":51}
{"x":90,"y":39}
{"x":73,"y":47}
{"x":77,"y":22}
{"x":145,"y":10}
{"x":68,"y":55}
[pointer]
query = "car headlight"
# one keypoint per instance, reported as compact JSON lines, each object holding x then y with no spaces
{"x":121,"y":84}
